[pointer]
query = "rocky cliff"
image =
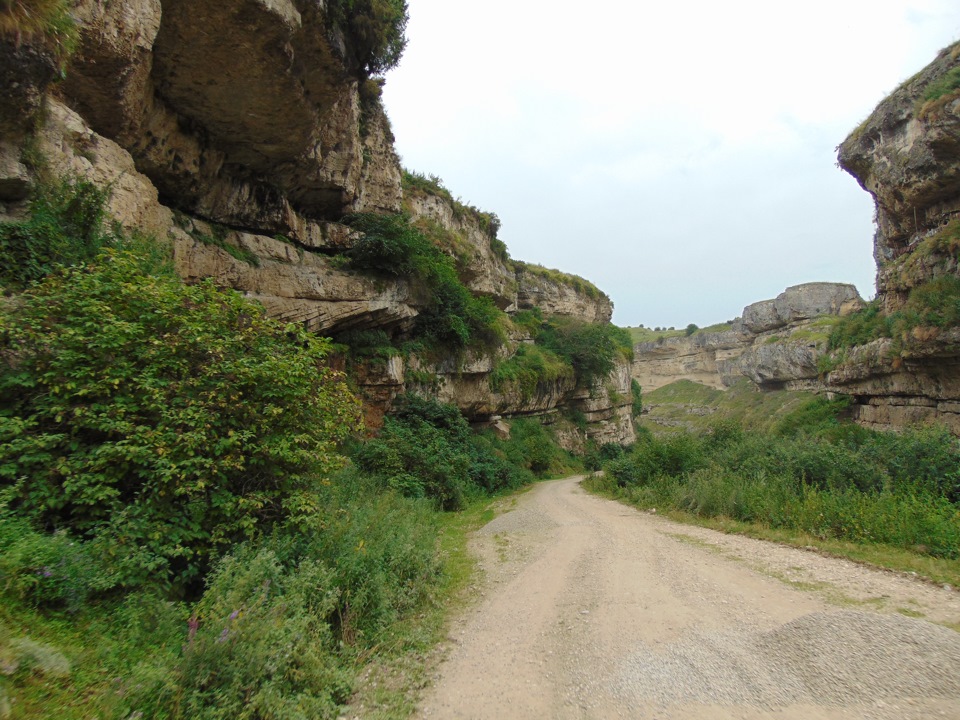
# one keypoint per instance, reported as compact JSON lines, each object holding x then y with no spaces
{"x":244,"y":134}
{"x":775,"y":343}
{"x":906,"y":154}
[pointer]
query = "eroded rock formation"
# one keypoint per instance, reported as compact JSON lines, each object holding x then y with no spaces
{"x":907,"y":156}
{"x":776,"y":343}
{"x":239,"y":132}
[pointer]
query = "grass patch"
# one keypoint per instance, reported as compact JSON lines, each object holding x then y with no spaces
{"x":937,"y":570}
{"x":685,"y":404}
{"x":418,"y":183}
{"x":575,"y":282}
{"x":47,"y":20}
{"x":530,"y":371}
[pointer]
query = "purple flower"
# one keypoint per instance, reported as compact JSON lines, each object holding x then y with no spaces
{"x":235,"y":614}
{"x":224,"y":635}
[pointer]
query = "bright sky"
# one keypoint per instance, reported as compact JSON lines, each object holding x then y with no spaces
{"x":680,"y":155}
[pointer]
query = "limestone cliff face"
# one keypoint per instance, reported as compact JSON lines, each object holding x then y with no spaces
{"x":907,"y":156}
{"x":481,"y":267}
{"x":237,"y":131}
{"x":560,"y":294}
{"x":776,"y":343}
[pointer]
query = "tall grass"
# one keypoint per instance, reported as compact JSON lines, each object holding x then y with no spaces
{"x":815,"y":474}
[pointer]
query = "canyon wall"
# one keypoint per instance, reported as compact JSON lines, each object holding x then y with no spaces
{"x":775,"y":343}
{"x":906,"y":154}
{"x":241,"y":133}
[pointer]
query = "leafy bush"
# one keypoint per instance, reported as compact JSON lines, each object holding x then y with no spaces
{"x":259,"y":645}
{"x":591,"y":348}
{"x":426,"y":449}
{"x":54,"y":570}
{"x":167,"y":420}
{"x":66,"y":226}
{"x":452,"y":317}
{"x":375,"y":31}
{"x":636,"y":399}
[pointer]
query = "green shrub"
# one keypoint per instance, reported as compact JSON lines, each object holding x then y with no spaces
{"x":375,"y":31}
{"x":452,"y":317}
{"x":821,"y":478}
{"x":426,"y":449}
{"x":167,"y":420}
{"x":814,"y":416}
{"x":66,"y":226}
{"x":259,"y":646}
{"x":530,"y":371}
{"x":591,"y":348}
{"x":636,"y":399}
{"x":55,"y":570}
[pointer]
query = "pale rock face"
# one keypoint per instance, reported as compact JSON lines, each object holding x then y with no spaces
{"x":557,"y":298}
{"x":254,"y":125}
{"x":907,"y":156}
{"x":236,"y":124}
{"x":801,"y":302}
{"x":769,"y":345}
{"x":705,"y":358}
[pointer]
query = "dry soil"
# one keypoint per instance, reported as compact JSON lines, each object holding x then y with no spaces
{"x":591,"y":609}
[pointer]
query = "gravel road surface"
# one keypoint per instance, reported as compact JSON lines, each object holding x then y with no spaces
{"x":591,"y":609}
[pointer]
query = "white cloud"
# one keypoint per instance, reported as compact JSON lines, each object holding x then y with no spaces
{"x":680,"y":154}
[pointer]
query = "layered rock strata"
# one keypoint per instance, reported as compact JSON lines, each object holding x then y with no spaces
{"x":906,"y":154}
{"x":239,"y":132}
{"x":776,"y":343}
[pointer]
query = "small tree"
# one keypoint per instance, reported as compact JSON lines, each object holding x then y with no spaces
{"x":167,"y":421}
{"x":691,"y":329}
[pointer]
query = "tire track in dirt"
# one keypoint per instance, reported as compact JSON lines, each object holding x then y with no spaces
{"x":591,"y":609}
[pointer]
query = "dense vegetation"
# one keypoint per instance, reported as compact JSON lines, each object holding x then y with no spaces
{"x":375,"y":31}
{"x":452,"y":316}
{"x":811,"y":473}
{"x":564,"y":349}
{"x":185,"y":533}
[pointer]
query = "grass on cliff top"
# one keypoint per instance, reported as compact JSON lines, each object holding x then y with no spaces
{"x":687,"y":405}
{"x":643,"y":334}
{"x":418,"y":183}
{"x":48,"y":20}
{"x":581,"y":285}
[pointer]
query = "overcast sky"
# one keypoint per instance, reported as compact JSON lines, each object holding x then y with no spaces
{"x":680,"y":155}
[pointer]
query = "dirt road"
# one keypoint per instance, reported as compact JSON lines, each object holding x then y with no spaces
{"x":590,"y":609}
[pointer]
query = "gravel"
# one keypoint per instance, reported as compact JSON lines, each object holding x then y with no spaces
{"x":837,"y":658}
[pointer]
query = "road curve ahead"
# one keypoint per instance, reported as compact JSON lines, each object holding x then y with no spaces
{"x":591,"y":609}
